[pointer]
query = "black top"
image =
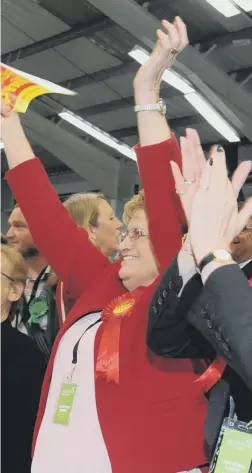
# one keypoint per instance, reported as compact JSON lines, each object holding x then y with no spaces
{"x":23,"y":369}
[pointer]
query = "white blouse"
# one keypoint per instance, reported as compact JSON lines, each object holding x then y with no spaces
{"x":78,"y":447}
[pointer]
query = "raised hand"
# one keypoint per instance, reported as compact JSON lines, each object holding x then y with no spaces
{"x":193,"y":163}
{"x":215,"y":220}
{"x":169,"y":44}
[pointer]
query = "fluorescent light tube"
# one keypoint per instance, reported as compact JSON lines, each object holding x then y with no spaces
{"x":212,"y":116}
{"x":171,"y":78}
{"x":246,"y":5}
{"x":225,"y":7}
{"x":98,"y":134}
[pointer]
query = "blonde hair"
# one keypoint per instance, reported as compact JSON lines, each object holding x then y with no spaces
{"x":84,"y":208}
{"x":17,"y":267}
{"x":137,"y":202}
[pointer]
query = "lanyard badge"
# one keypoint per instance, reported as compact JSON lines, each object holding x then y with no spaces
{"x":233,"y":451}
{"x":65,"y":404}
{"x":68,"y":388}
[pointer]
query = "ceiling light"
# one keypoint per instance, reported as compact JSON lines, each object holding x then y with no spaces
{"x":225,"y":7}
{"x":246,"y":5}
{"x":171,"y":78}
{"x":98,"y":134}
{"x":212,"y":116}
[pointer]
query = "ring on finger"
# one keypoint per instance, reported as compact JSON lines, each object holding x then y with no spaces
{"x":174,"y":51}
{"x":180,"y":193}
{"x":189,"y":182}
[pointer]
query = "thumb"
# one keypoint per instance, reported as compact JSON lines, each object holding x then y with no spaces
{"x":240,"y":175}
{"x":244,"y":215}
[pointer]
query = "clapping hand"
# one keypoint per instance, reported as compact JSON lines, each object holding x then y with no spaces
{"x":215,"y":220}
{"x":193,"y":163}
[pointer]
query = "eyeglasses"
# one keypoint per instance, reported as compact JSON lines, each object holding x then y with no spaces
{"x":247,"y":228}
{"x":133,"y":234}
{"x":8,"y":277}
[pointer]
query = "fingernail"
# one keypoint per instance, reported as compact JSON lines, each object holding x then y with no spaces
{"x":220,"y":149}
{"x":211,"y":161}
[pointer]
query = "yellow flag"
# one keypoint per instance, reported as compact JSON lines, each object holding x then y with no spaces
{"x":19,"y":88}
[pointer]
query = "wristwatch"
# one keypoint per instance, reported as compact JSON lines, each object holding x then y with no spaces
{"x":219,"y":255}
{"x":149,"y":107}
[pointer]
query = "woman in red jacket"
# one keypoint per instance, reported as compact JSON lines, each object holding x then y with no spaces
{"x":108,"y":405}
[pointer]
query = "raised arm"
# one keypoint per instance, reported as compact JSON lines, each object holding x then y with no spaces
{"x":158,"y":146}
{"x":66,"y":247}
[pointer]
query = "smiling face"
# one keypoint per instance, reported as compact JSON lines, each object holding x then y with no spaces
{"x":241,"y":247}
{"x":19,"y":236}
{"x":138,"y":266}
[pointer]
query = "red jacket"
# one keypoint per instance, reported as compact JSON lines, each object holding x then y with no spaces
{"x":153,"y":421}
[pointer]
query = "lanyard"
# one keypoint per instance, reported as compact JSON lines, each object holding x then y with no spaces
{"x":76,"y":348}
{"x":26,"y":313}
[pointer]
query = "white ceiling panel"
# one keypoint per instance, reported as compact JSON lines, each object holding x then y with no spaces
{"x":89,"y":95}
{"x":12,"y":38}
{"x":87,"y":56}
{"x":28,"y":16}
{"x":48,"y":65}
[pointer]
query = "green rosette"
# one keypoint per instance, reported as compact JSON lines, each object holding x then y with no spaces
{"x":37,"y":308}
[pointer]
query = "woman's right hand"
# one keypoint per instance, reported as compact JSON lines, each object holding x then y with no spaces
{"x":168,"y":45}
{"x":7,"y":117}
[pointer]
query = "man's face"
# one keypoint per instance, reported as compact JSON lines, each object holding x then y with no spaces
{"x":19,"y":236}
{"x":242,"y":245}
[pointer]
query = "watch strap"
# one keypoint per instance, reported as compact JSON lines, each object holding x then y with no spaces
{"x":206,"y":260}
{"x":148,"y":107}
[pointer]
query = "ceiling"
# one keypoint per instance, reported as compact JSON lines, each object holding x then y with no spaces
{"x":84,"y":45}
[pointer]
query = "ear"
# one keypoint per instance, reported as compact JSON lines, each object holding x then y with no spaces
{"x":91,"y":232}
{"x":16,"y":291}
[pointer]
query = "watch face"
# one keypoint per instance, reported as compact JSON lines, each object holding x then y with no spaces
{"x":223,"y":255}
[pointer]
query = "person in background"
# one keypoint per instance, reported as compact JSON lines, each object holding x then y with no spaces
{"x":39,"y":319}
{"x":22,"y":371}
{"x":241,"y":247}
{"x":192,"y":313}
{"x":93,"y":213}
